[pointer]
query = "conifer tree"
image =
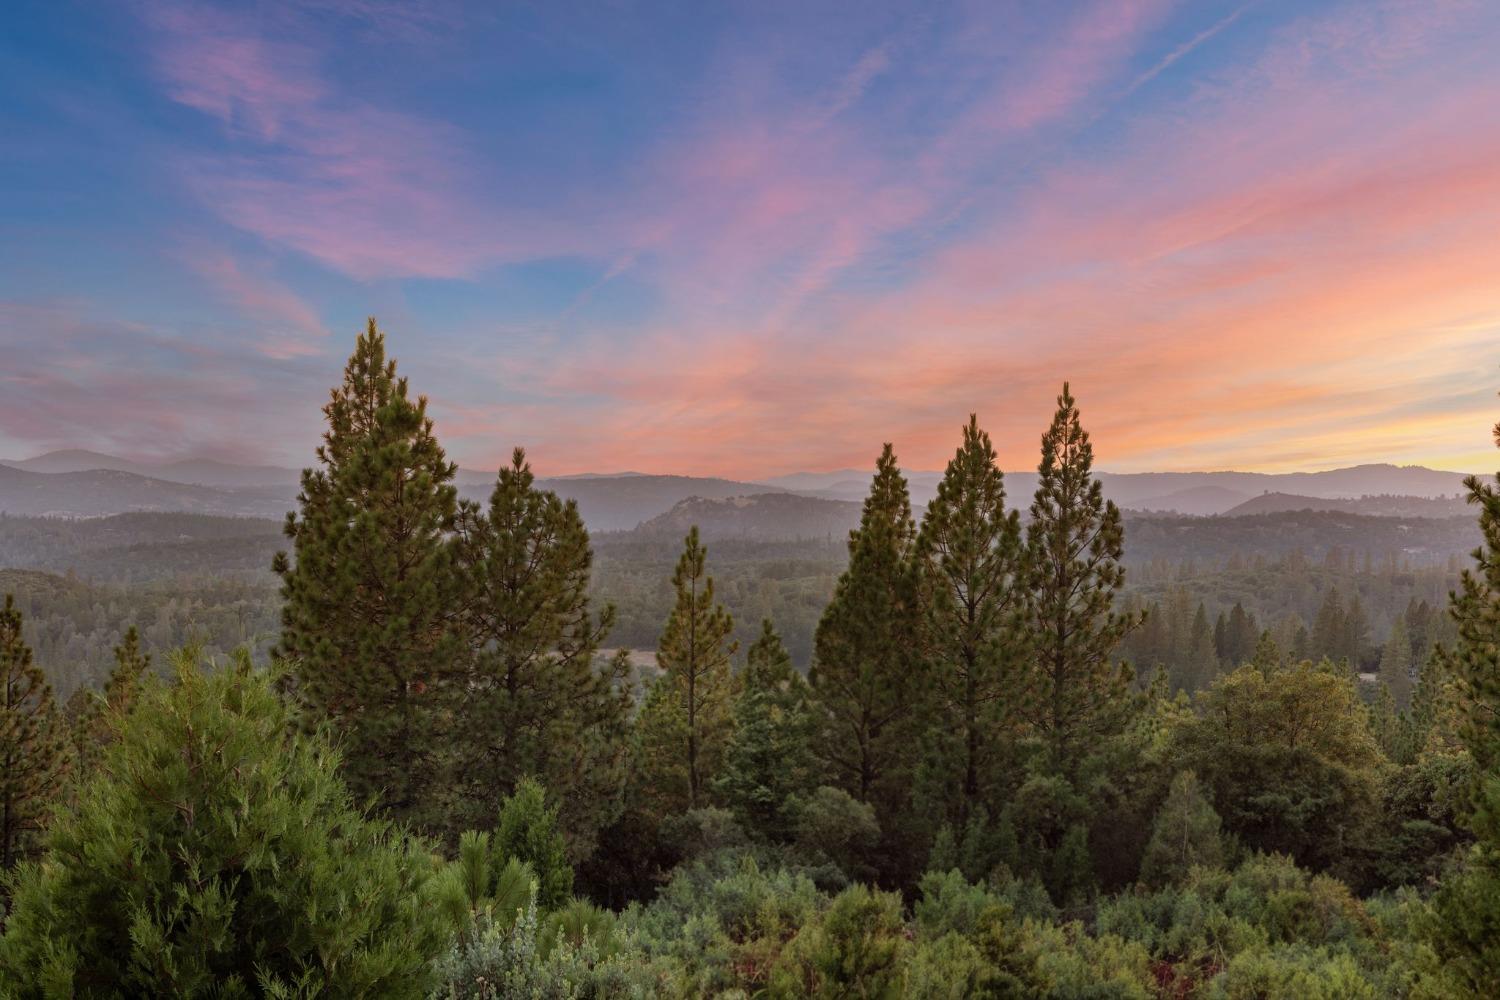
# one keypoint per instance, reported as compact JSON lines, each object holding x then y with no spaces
{"x":971,"y":554}
{"x":372,"y":596}
{"x":94,"y":727}
{"x":694,"y":655}
{"x":537,"y":699}
{"x":1330,"y":629}
{"x":1075,"y":542}
{"x":1395,"y":664}
{"x":33,"y":743}
{"x":1466,"y":910}
{"x":1079,"y":700}
{"x":1202,"y":663}
{"x":866,"y":648}
{"x":528,"y":832}
{"x":1185,"y":834}
{"x":768,"y":762}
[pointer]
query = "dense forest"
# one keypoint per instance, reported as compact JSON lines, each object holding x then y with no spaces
{"x":993,"y":747}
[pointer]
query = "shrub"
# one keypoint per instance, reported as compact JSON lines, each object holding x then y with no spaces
{"x":216,"y":851}
{"x":857,"y":948}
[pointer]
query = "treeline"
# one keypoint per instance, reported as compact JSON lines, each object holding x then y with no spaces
{"x":969,"y":793}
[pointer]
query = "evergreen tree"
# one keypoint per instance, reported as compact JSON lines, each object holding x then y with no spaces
{"x":864,"y":672}
{"x":1466,"y":912}
{"x":1330,"y":629}
{"x":1075,"y":542}
{"x":33,"y":747}
{"x":1240,"y":634}
{"x":1186,"y":834}
{"x":372,"y":597}
{"x":1395,"y":664}
{"x":1202,"y":662}
{"x":528,"y":833}
{"x":1356,"y":634}
{"x":694,"y":656}
{"x":1079,"y":701}
{"x":768,"y":763}
{"x":95,"y":725}
{"x":970,"y":550}
{"x":215,"y":852}
{"x":537,"y":700}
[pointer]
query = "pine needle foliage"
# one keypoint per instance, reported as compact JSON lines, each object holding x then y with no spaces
{"x":216,"y":852}
{"x":372,"y":595}
{"x":34,"y":758}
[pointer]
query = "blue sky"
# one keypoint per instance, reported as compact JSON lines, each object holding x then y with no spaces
{"x":751,"y":238}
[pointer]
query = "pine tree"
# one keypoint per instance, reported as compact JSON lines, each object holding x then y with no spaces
{"x":1075,"y":543}
{"x":373,"y":596}
{"x":866,"y":648}
{"x":1202,"y":662}
{"x":1395,"y":664}
{"x":694,"y":655}
{"x":95,"y":725}
{"x":527,"y":832}
{"x":1330,"y":628}
{"x":970,"y":550}
{"x":1356,"y":633}
{"x":1466,"y":910}
{"x":33,"y":743}
{"x":768,"y":762}
{"x":537,"y":699}
{"x":1185,"y":834}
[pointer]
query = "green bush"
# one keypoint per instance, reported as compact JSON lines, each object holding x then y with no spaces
{"x":857,"y":948}
{"x":215,"y":852}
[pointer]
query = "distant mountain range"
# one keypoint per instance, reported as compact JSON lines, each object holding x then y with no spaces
{"x":1180,"y":492}
{"x":89,"y":484}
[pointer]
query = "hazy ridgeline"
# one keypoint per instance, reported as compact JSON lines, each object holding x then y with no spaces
{"x":985,"y":745}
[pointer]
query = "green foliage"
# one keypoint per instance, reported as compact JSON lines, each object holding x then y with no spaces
{"x":369,"y":622}
{"x":971,"y":556}
{"x":517,"y":961}
{"x":768,"y":763}
{"x":527,"y":832}
{"x":1288,"y":758}
{"x":834,"y":826}
{"x":863,"y":674}
{"x":536,"y":700}
{"x":1077,"y":693}
{"x":694,"y":656}
{"x":33,"y":744}
{"x":1465,"y":930}
{"x":856,"y":948}
{"x":95,"y":722}
{"x":1185,"y":835}
{"x":215,"y":852}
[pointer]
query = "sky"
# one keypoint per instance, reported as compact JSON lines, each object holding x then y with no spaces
{"x":749,"y":238}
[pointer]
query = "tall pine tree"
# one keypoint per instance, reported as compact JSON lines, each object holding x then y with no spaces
{"x":1079,"y":694}
{"x":866,"y":648}
{"x":372,"y":596}
{"x":537,"y":699}
{"x":33,"y":743}
{"x":1075,"y":542}
{"x":687,"y":719}
{"x":976,"y":588}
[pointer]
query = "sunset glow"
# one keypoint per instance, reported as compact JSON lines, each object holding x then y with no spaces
{"x":746,"y":240}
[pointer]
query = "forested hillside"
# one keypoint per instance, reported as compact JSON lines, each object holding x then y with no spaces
{"x":980,"y":784}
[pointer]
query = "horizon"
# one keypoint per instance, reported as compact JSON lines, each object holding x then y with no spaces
{"x":1255,"y":236}
{"x":168,"y":462}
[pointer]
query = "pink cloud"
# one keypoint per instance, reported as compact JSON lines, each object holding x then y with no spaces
{"x":293,"y":325}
